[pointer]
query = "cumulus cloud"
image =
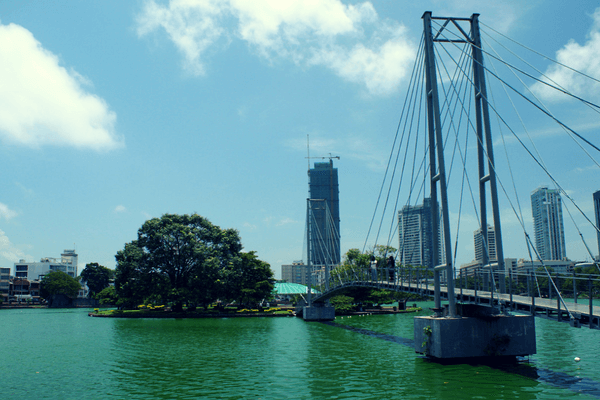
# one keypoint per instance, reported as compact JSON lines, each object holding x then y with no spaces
{"x":9,"y":251}
{"x":285,"y":221}
{"x":6,"y":212}
{"x":350,"y":40}
{"x":42,"y":103}
{"x":120,"y":209}
{"x":584,"y":58}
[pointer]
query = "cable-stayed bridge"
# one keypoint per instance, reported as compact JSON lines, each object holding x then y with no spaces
{"x":443,"y":154}
{"x":565,"y":297}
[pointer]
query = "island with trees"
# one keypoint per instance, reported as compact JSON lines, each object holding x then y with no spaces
{"x":185,"y":266}
{"x":185,"y":263}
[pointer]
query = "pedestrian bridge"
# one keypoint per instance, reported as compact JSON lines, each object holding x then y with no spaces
{"x":562,"y":297}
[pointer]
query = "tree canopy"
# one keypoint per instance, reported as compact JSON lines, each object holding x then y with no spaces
{"x":58,"y":282}
{"x":247,"y":279}
{"x":108,"y":295}
{"x":185,"y":259}
{"x":97,"y":277}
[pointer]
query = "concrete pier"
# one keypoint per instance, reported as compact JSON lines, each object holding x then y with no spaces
{"x":318,"y":312}
{"x":475,"y":334}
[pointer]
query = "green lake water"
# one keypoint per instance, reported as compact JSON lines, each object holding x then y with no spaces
{"x":64,"y":354}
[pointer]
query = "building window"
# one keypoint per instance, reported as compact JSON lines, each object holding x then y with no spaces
{"x":22,"y":274}
{"x":21,"y":268}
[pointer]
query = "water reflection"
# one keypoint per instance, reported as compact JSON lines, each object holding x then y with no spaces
{"x":444,"y":379}
{"x":62,"y":355}
{"x":213,"y":358}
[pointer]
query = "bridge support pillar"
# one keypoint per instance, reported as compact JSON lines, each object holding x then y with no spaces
{"x":318,"y":312}
{"x":475,"y":336}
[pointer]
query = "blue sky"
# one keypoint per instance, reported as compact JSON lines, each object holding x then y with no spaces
{"x":115,"y":112}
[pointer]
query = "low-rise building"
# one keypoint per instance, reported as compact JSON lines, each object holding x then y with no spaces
{"x":561,"y":266}
{"x":67,"y":263}
{"x":5,"y":279}
{"x":469,"y":269}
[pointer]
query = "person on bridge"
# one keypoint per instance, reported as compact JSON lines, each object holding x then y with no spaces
{"x":373,"y":269}
{"x":391,"y":264}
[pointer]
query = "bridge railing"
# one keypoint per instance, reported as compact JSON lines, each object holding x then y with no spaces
{"x":377,"y":276}
{"x":541,"y":284}
{"x":566,"y":296}
{"x":564,"y":287}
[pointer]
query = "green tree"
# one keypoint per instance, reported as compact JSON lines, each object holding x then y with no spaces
{"x":134,"y":280}
{"x":247,"y":279}
{"x":342,"y":304}
{"x":381,"y":252}
{"x":58,"y":282}
{"x":97,"y":277}
{"x":178,"y":257}
{"x":355,"y":257}
{"x":108,"y":295}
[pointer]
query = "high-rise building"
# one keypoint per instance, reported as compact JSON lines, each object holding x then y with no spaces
{"x":325,"y":211}
{"x":416,"y":234}
{"x":548,"y":225}
{"x":294,"y":273}
{"x":480,"y":248}
{"x":597,"y":210}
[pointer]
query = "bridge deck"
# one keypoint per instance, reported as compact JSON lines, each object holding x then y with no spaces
{"x":582,"y":313}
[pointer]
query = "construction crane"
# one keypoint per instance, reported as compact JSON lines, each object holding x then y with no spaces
{"x":322,"y":158}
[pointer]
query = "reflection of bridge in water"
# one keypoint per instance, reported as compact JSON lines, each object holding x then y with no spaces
{"x":574,"y":304}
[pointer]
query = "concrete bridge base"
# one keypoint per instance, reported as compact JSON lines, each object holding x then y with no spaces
{"x":319,"y":312}
{"x":475,"y":334}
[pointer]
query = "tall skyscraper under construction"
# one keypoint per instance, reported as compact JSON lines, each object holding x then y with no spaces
{"x":546,"y":207}
{"x":324,"y":214}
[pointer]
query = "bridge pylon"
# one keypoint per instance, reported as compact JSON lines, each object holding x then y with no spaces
{"x":461,"y":330}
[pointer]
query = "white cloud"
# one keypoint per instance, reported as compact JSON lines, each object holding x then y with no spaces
{"x":587,"y":169}
{"x":27,"y":191}
{"x":6,"y":212}
{"x":192,"y":25}
{"x":350,"y":40}
{"x":285,"y":221}
{"x":377,"y":67}
{"x":9,"y":251}
{"x":584,"y":58}
{"x":120,"y":208}
{"x":503,"y":15}
{"x":41,"y":103}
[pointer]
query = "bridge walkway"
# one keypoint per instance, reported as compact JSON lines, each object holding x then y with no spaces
{"x":576,"y":314}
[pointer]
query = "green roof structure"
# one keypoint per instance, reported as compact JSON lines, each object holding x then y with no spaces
{"x":284,"y":288}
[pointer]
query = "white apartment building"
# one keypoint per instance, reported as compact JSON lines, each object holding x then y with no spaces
{"x":31,"y":271}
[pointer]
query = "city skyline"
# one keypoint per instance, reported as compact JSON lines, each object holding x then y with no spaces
{"x":183,"y":107}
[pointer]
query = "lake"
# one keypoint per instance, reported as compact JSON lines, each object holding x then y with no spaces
{"x":64,"y":354}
